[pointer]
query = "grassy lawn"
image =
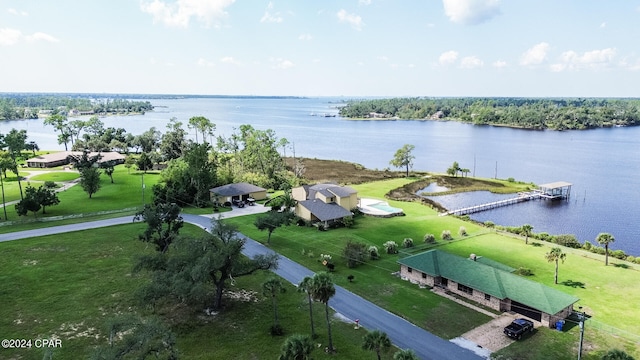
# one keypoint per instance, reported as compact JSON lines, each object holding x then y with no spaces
{"x":46,"y":295}
{"x":608,"y":291}
{"x":124,"y":193}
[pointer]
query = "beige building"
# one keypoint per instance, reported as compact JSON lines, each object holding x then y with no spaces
{"x":324,"y":202}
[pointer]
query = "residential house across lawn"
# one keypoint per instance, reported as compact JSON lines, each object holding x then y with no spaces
{"x":238,"y":192}
{"x":62,"y":158}
{"x":324,"y":203}
{"x":488,"y":283}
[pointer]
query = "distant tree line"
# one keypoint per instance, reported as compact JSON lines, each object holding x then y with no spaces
{"x":527,"y":113}
{"x":25,"y":106}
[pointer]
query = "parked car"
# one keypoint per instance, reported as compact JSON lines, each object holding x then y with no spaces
{"x":518,"y":327}
{"x":238,"y":203}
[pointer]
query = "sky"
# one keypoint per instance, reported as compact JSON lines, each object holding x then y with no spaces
{"x":354,"y":48}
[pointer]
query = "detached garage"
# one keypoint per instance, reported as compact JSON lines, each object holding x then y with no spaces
{"x":237,"y":191}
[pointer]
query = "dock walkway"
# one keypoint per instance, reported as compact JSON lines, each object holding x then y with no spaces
{"x":526,"y":196}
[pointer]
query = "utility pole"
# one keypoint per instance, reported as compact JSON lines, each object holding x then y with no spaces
{"x":581,"y":315}
{"x":143,"y":189}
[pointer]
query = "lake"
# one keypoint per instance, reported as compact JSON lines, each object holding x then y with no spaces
{"x":602,"y":164}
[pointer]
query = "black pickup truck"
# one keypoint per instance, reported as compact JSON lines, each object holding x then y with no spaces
{"x":518,"y":327}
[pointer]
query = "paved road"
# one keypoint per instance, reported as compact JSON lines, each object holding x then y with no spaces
{"x":401,"y":332}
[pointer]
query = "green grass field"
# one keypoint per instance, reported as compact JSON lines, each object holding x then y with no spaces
{"x":67,"y":286}
{"x":97,"y":283}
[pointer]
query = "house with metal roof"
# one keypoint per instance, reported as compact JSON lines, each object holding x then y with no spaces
{"x":324,"y":202}
{"x":481,"y":281}
{"x":237,"y":191}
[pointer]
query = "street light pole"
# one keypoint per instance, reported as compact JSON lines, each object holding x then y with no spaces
{"x":581,"y":317}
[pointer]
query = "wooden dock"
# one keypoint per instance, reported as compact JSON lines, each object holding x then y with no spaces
{"x":492,"y":205}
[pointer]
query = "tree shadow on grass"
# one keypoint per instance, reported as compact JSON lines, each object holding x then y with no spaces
{"x":624,"y":266}
{"x":573,"y":284}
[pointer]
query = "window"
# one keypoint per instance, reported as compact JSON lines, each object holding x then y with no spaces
{"x":424,"y":276}
{"x":409,"y":269}
{"x":487,"y":297}
{"x":465,"y":289}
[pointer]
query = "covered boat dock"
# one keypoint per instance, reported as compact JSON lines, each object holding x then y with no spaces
{"x":555,"y":190}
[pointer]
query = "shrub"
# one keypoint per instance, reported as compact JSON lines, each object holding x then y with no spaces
{"x":391,"y":247}
{"x":462,"y":231}
{"x":429,"y":238}
{"x":587,"y":245}
{"x":598,"y":250}
{"x":618,"y":254}
{"x":637,"y":260}
{"x":407,"y":242}
{"x":523,"y":271}
{"x":543,"y":236}
{"x":489,"y":224}
{"x":535,"y":244}
{"x":567,"y":240}
{"x":348,"y":221}
{"x":321,"y":227}
{"x":350,"y":278}
{"x":446,"y":235}
{"x":373,"y":252}
{"x":50,"y":184}
{"x":630,"y":258}
{"x":511,"y":180}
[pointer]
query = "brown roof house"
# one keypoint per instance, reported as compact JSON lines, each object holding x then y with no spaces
{"x":488,"y":283}
{"x":324,"y":203}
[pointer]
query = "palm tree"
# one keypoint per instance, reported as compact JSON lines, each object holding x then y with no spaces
{"x":296,"y":347}
{"x":605,"y":239}
{"x":323,"y":290}
{"x":555,"y":254}
{"x":526,"y":231}
{"x":271,"y":288}
{"x":406,"y":354}
{"x":377,"y":341}
{"x":306,"y":285}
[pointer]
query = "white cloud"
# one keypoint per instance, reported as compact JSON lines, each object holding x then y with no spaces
{"x":271,"y":17}
{"x":603,"y":25}
{"x":383,"y":58}
{"x":471,"y":12}
{"x":13,"y":11}
{"x":535,"y":55}
{"x":12,"y":36}
{"x":279,"y":63}
{"x":499,"y":64}
{"x":471,"y":62}
{"x":353,"y":19}
{"x":364,"y":2}
{"x":41,"y":36}
{"x":595,"y":59}
{"x":229,"y":60}
{"x":179,"y":13}
{"x":305,"y":37}
{"x":448,"y":57}
{"x":205,"y":63}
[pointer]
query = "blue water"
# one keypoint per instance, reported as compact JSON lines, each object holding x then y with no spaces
{"x":385,"y":207}
{"x":603,"y":164}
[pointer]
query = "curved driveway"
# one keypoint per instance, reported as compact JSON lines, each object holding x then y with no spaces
{"x":401,"y":332}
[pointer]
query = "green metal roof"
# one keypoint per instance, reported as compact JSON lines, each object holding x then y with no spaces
{"x":490,"y":280}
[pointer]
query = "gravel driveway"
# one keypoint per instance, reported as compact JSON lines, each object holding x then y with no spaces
{"x":490,"y":335}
